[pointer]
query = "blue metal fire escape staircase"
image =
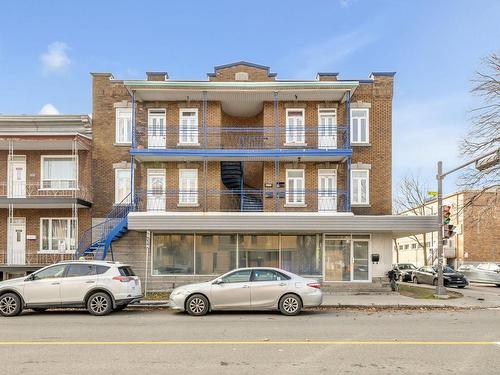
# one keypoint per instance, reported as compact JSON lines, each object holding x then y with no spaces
{"x":96,"y":241}
{"x":232,"y":177}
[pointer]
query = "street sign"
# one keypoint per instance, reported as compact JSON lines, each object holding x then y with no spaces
{"x":432,"y":193}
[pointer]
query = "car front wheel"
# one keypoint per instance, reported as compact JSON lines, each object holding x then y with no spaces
{"x":290,"y":305}
{"x":10,"y":305}
{"x":99,"y":304}
{"x":197,"y":305}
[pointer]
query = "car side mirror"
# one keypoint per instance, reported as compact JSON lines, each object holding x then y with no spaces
{"x":218,"y":281}
{"x":30,"y":277}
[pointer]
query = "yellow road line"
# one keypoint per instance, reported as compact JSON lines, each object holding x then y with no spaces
{"x":175,"y":343}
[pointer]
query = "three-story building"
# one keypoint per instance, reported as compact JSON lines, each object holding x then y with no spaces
{"x":194,"y":178}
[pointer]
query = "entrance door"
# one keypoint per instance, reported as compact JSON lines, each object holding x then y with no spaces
{"x":327,"y":190}
{"x":156,"y":190}
{"x":17,"y":177}
{"x":346,"y":258}
{"x":327,"y":128}
{"x":16,"y":239}
{"x":157,"y":131}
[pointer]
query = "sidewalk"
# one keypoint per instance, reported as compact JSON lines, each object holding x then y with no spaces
{"x":472,"y":298}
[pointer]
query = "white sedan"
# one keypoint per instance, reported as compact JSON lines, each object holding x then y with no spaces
{"x":259,"y":288}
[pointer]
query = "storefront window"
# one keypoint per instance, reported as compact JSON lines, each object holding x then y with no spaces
{"x":173,"y":254}
{"x":259,"y":251}
{"x":215,"y":254}
{"x":301,"y":254}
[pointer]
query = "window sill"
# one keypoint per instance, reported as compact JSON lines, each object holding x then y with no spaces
{"x":187,"y":144}
{"x":295,"y":144}
{"x":361,"y":144}
{"x":188,"y":205}
{"x":58,"y":189}
{"x":56,"y":252}
{"x":295,"y":205}
{"x":122,"y":144}
{"x":361,"y":205}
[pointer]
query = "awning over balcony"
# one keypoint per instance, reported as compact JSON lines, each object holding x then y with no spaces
{"x":242,"y":99}
{"x":268,"y":222}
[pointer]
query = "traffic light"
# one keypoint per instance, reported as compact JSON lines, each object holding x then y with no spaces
{"x":446,"y":214}
{"x":448,"y":229}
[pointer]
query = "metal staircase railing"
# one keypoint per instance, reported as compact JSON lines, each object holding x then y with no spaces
{"x":97,"y":239}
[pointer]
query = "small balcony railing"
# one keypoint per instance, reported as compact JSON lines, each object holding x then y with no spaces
{"x":248,"y":138}
{"x":246,"y":200}
{"x":45,"y":189}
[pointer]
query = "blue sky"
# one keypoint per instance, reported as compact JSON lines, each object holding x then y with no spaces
{"x":47,"y":50}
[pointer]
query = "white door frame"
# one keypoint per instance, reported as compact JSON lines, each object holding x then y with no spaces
{"x":16,"y":256}
{"x":326,"y":142}
{"x":156,"y":202}
{"x":333,"y":173}
{"x":157,"y":129}
{"x":16,"y":188}
{"x":351,"y":246}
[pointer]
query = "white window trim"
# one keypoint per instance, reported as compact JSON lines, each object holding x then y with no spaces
{"x":367,"y":188}
{"x":116,"y":182}
{"x":74,"y":157}
{"x":181,"y":111}
{"x":287,"y":142}
{"x":188,"y":204}
{"x":68,"y":219}
{"x":117,"y":122}
{"x":288,"y":195}
{"x":327,"y":110}
{"x":367,"y":111}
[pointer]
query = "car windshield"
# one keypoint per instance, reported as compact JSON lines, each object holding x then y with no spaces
{"x":445,"y":269}
{"x":407,"y":267}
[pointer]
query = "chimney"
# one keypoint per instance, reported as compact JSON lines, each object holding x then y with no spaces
{"x":326,"y":76}
{"x":157,"y":76}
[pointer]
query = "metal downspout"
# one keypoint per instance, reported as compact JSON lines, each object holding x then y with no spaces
{"x":348,"y":146}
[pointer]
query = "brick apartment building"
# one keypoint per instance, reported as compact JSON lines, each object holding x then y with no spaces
{"x":194,"y":178}
{"x":45,"y":189}
{"x":477,"y":238}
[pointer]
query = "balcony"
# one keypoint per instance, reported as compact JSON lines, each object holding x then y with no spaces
{"x":51,"y":194}
{"x":244,"y":201}
{"x":310,"y":142}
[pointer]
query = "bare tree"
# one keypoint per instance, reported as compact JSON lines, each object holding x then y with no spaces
{"x":411,"y":200}
{"x":484,"y":134}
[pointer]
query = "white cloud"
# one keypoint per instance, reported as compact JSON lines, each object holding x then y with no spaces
{"x":49,"y":109}
{"x":324,"y":55}
{"x":345,"y":3}
{"x":55,"y":59}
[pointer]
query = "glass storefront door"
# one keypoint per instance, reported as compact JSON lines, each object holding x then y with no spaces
{"x":346,"y":258}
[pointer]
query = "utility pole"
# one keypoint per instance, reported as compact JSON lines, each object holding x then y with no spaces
{"x":482,"y":162}
{"x":440,"y":290}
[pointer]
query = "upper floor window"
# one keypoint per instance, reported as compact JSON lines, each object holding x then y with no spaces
{"x":188,"y":126}
{"x":157,"y":132}
{"x":295,"y":193}
{"x":123,"y":180}
{"x":295,"y":131}
{"x":188,"y":186}
{"x":58,"y":235}
{"x":123,"y":125}
{"x":241,"y":76}
{"x":359,"y":125}
{"x":360,"y":186}
{"x":327,"y":128}
{"x":59,"y":172}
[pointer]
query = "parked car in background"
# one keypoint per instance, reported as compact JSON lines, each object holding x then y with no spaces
{"x":482,"y":273}
{"x":98,"y":286}
{"x":404,"y":271}
{"x":258,"y":288}
{"x":429,"y":275}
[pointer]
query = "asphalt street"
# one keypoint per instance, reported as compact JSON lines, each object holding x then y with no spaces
{"x":316,"y":342}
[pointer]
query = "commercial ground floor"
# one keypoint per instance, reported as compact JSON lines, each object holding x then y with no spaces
{"x":167,"y":250}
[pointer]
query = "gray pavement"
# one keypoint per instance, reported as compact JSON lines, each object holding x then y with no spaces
{"x":316,"y":342}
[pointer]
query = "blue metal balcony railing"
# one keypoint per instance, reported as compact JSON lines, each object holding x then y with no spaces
{"x":247,"y":138}
{"x":244,"y":200}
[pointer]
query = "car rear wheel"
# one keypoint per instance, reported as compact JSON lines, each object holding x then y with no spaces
{"x":197,"y":305}
{"x":10,"y":305}
{"x":290,"y":305}
{"x":99,"y":304}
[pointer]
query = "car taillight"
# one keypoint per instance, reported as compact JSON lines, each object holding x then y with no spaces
{"x":314,"y":285}
{"x":123,"y":279}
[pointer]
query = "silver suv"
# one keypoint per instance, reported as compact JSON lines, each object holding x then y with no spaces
{"x":98,"y":286}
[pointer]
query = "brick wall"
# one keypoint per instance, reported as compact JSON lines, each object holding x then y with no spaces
{"x":254,"y":74}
